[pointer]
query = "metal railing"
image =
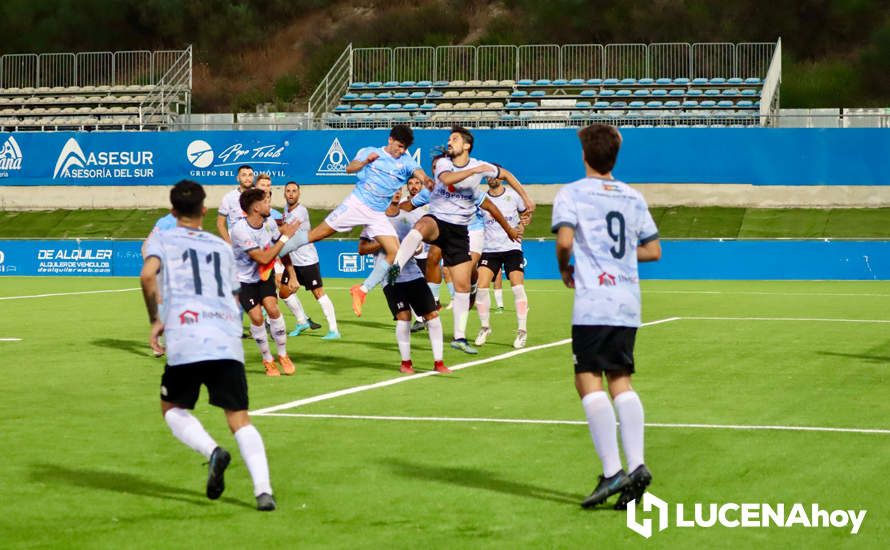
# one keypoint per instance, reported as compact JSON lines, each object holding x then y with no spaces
{"x":170,"y":98}
{"x":769,"y":95}
{"x":332,"y":86}
{"x":121,"y":68}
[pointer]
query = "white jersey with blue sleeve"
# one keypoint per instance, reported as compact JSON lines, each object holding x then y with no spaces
{"x":305,"y":255}
{"x":610,"y":220}
{"x":230,"y":207}
{"x":511,"y":205}
{"x":245,"y":238}
{"x":379,"y":180}
{"x":202,"y":320}
{"x":457,"y":203}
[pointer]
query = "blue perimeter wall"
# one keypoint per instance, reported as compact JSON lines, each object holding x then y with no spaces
{"x":693,"y":259}
{"x":757,"y":156}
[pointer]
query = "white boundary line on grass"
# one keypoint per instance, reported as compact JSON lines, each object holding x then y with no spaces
{"x":68,"y":293}
{"x":711,"y":292}
{"x":10,"y":339}
{"x":792,"y":319}
{"x":392,"y":381}
{"x":578,"y":423}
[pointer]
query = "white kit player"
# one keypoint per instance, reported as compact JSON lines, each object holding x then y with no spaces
{"x":453,"y":203}
{"x":230,"y":209}
{"x":203,"y":331}
{"x":606,"y":224}
{"x":500,"y":253}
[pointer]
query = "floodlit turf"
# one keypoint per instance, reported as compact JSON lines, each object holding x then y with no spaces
{"x":89,"y":463}
{"x":678,"y":222}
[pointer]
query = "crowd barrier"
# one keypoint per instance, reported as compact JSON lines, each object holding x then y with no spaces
{"x":687,"y":259}
{"x":756,"y":156}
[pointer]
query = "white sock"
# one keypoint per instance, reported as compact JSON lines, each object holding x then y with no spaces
{"x":279,"y":333}
{"x":434,"y":288}
{"x":521,"y":301}
{"x":601,"y":422}
{"x":434,"y":327}
{"x":327,"y":306}
{"x":499,"y":297}
{"x":483,"y":306}
{"x":630,"y":414}
{"x":296,"y":307}
{"x":189,"y":430}
{"x":461,"y":312}
{"x":250,"y":443}
{"x":262,"y":340}
{"x":409,"y":245}
{"x":415,"y":316}
{"x":403,"y":337}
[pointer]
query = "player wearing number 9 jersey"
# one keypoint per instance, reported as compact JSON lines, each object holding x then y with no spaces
{"x":203,"y":328}
{"x":607,"y":225}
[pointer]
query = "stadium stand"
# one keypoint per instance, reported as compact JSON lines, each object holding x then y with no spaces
{"x":125,"y":90}
{"x":541,"y":86}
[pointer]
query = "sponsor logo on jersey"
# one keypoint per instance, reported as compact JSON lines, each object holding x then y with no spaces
{"x":74,"y":163}
{"x":606,"y":279}
{"x":188,"y":317}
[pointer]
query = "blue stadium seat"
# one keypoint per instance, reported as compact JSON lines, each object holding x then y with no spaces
{"x":618,"y":104}
{"x":424,"y":83}
{"x":663,"y":81}
{"x":434,"y":94}
{"x":601,"y":105}
{"x":734,"y":80}
{"x":681,"y":81}
{"x":538,"y":93}
{"x":411,"y":106}
{"x":653,"y":104}
{"x":730,"y":92}
{"x":636,"y":105}
{"x":717,"y":81}
{"x":374,"y":84}
{"x":723,"y":103}
{"x":529,"y":105}
{"x":749,"y":93}
{"x":341,"y":108}
{"x":407,"y":84}
{"x":623,"y":93}
{"x":393,"y":106}
{"x":417,"y":95}
{"x":690,"y":103}
{"x":757,"y":104}
{"x":588,"y":93}
{"x":384,"y":95}
{"x":518,"y":93}
{"x":525,"y":82}
{"x":359,"y":107}
{"x":440,"y":83}
{"x":508,"y":117}
{"x":677,"y":92}
{"x":708,"y":103}
{"x":400,"y":95}
{"x":427,"y":106}
{"x":659,"y":92}
{"x":752,"y":80}
{"x":513,"y":105}
{"x":391,"y":84}
{"x":694,"y":92}
{"x":607,"y":82}
{"x":712,"y":92}
{"x":641,"y":93}
{"x":367,"y":95}
{"x":628,"y":81}
{"x":576,"y":82}
{"x":699,"y":81}
{"x":377,"y":107}
{"x":543,"y":82}
{"x":350,"y":96}
{"x":582,"y":105}
{"x":357,"y":85}
{"x":645,"y":82}
{"x":672,"y":104}
{"x":745,"y":103}
{"x":560,"y":82}
{"x":421,"y":117}
{"x":607,"y":93}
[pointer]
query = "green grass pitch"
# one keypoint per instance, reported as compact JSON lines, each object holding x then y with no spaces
{"x":88,"y":462}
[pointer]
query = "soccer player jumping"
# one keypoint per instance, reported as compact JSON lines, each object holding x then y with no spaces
{"x":608,"y":227}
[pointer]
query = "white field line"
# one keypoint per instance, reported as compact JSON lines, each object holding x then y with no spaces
{"x":714,"y":292}
{"x":792,"y":319}
{"x":579,"y":423}
{"x":10,"y":339}
{"x":393,"y":381}
{"x":67,"y":293}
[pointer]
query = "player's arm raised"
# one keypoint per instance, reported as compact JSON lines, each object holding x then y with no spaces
{"x":453,"y":178}
{"x":513,"y":182}
{"x":428,"y":182}
{"x":265,"y":256}
{"x":149,"y":281}
{"x":565,"y":238}
{"x":515,"y":233}
{"x":358,"y":164}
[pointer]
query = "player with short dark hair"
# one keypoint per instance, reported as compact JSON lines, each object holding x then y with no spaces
{"x":230,"y":209}
{"x":606,"y":224}
{"x":203,"y":330}
{"x":256,"y":241}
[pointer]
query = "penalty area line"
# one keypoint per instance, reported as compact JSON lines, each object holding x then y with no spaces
{"x":393,"y":381}
{"x":742,"y":427}
{"x":67,"y":294}
{"x":10,"y":339}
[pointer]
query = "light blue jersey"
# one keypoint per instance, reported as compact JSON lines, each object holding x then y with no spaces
{"x":165,"y":223}
{"x":379,"y":181}
{"x":610,"y":220}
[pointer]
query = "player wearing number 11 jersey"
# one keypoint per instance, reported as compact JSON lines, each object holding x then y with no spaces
{"x":607,"y":225}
